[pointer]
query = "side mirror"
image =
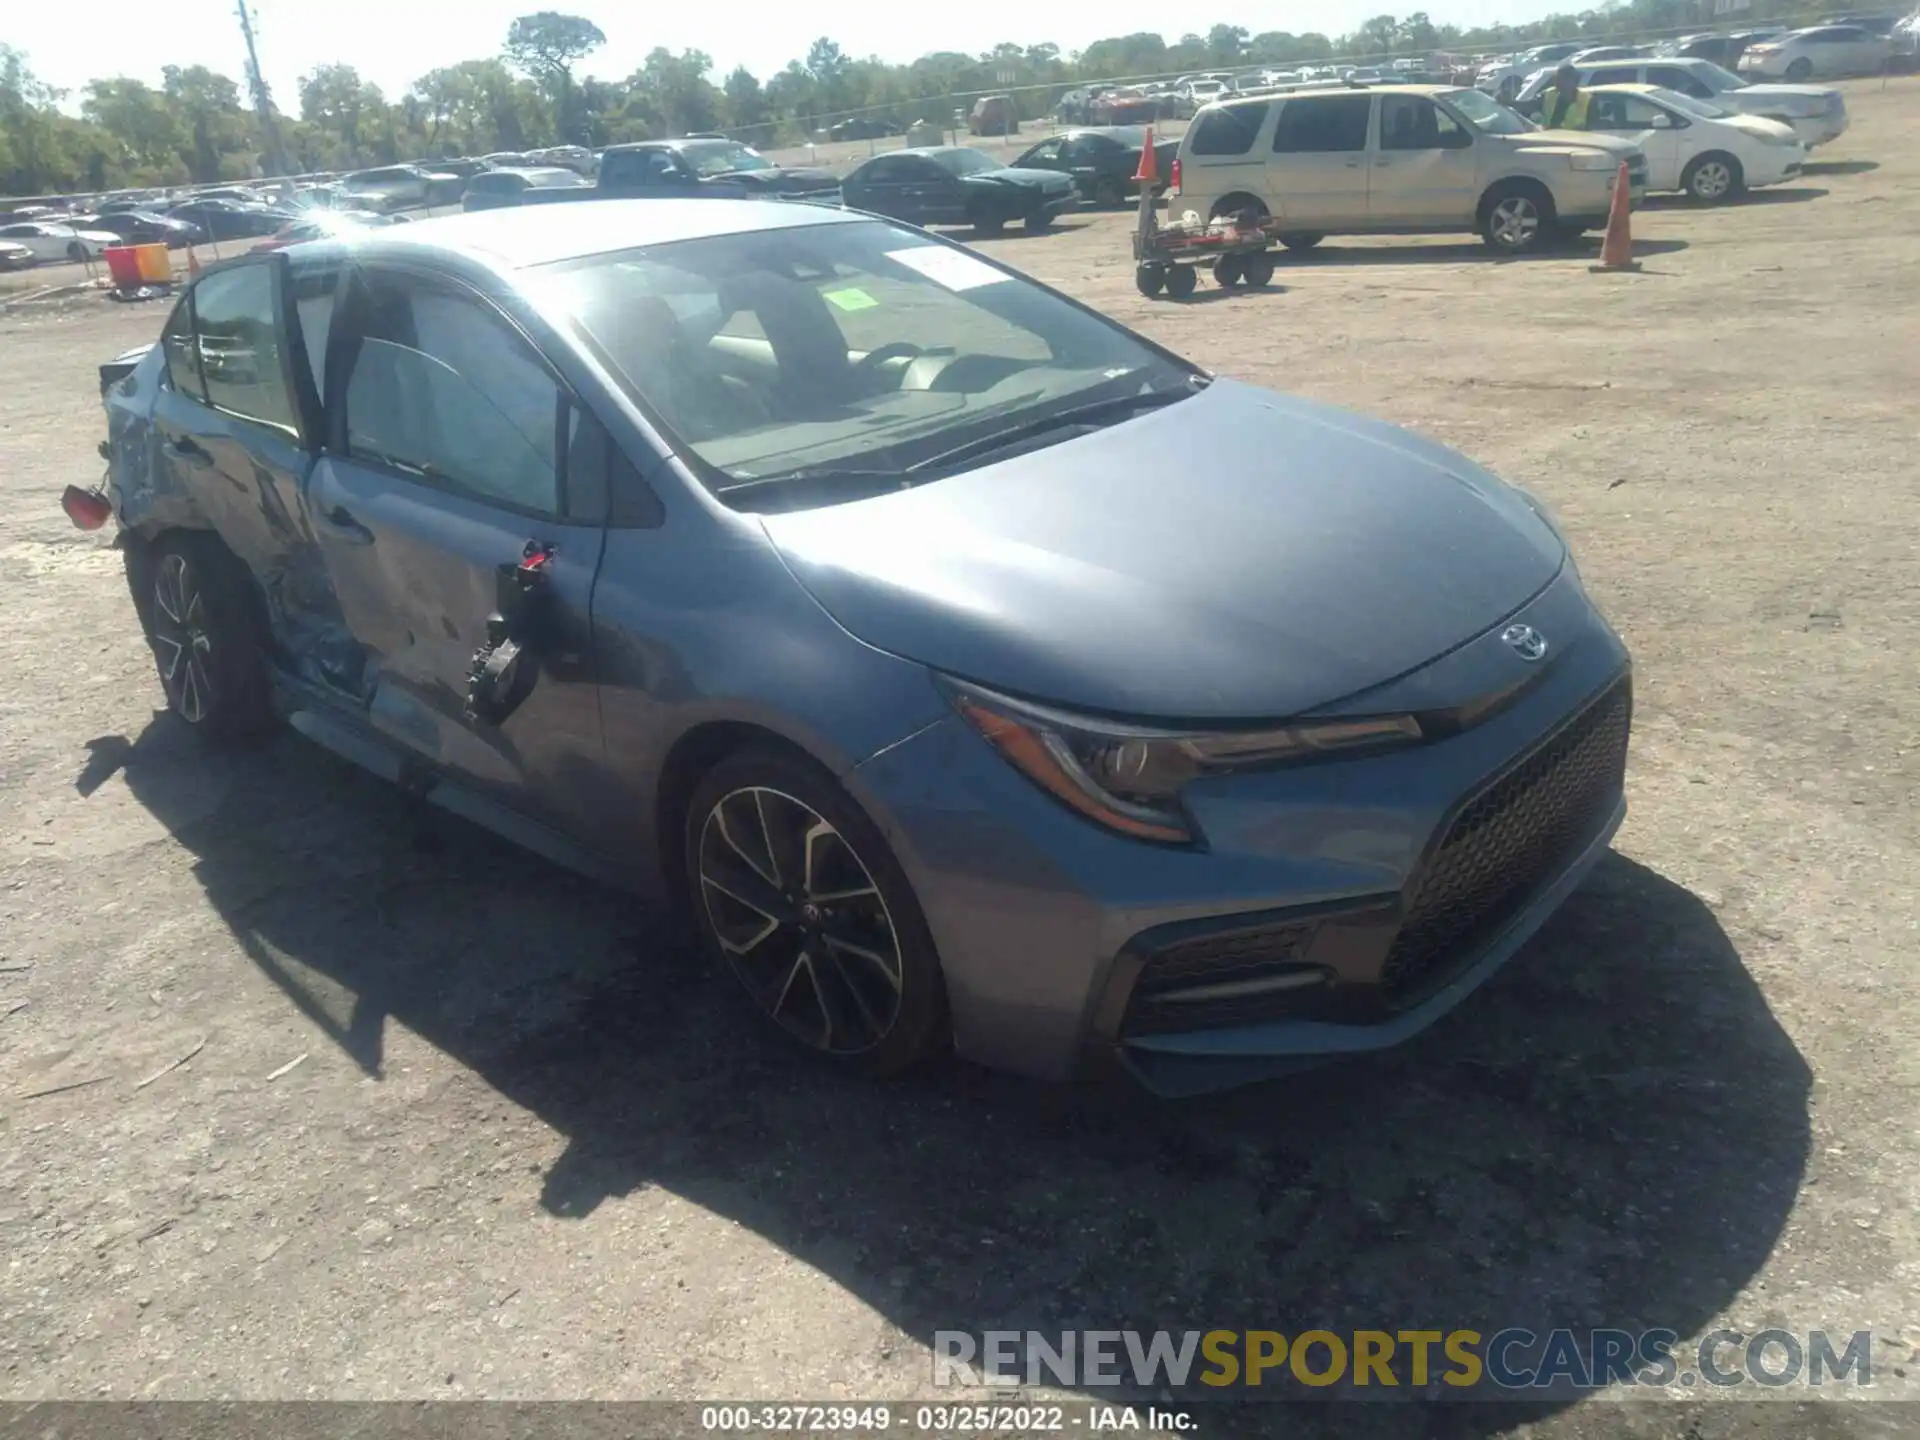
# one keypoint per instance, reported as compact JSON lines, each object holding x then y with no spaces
{"x":1662,"y":121}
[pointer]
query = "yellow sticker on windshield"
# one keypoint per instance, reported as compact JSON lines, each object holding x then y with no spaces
{"x":851,"y":299}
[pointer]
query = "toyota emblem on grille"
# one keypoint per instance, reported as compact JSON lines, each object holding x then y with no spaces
{"x":1525,"y":641}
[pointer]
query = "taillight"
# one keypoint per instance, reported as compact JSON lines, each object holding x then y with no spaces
{"x":88,"y":509}
{"x":1173,"y":177}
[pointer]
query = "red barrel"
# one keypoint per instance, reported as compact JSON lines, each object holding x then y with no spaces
{"x":123,"y":264}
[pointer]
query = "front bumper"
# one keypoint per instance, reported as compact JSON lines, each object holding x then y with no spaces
{"x":1050,"y":929}
{"x":1775,"y":165}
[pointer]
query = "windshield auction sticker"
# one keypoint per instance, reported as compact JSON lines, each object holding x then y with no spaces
{"x":954,"y":269}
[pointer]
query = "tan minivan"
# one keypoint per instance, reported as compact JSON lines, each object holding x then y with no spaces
{"x":1398,"y":159}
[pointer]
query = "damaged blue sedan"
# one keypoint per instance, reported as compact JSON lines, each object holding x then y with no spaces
{"x":977,"y":673}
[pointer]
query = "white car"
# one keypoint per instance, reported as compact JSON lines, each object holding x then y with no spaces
{"x":14,"y":256}
{"x":1824,"y":50}
{"x":47,"y":241}
{"x":1694,"y":145}
{"x":1503,"y":78}
{"x":1817,"y":113}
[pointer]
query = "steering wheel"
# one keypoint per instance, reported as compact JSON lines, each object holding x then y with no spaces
{"x":892,"y":350}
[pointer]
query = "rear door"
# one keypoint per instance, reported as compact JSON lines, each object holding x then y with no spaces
{"x":1426,"y":169}
{"x":447,"y":458}
{"x":1320,"y":161}
{"x":1221,"y":155}
{"x":238,"y":420}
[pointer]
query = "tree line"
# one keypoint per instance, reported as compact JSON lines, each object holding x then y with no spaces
{"x":195,"y":125}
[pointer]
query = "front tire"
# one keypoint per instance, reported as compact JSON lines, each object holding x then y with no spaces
{"x":1301,"y":241}
{"x":204,"y":625}
{"x":1109,"y":193}
{"x":1039,"y":220}
{"x":1517,"y":219}
{"x":796,"y":894}
{"x":1713,"y":179}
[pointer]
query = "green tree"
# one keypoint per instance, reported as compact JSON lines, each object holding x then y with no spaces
{"x":219,"y":133}
{"x":1226,"y":44}
{"x":142,"y":122}
{"x":335,"y":100}
{"x":546,"y":46}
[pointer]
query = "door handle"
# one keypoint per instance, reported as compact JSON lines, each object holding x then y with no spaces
{"x":340,"y":523}
{"x":1353,"y":164}
{"x":185,"y":448}
{"x":1382,"y":164}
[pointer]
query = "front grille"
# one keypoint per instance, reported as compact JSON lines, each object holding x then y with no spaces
{"x":1224,"y":958}
{"x":1508,"y":842}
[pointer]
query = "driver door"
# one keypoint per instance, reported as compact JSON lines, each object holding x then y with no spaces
{"x":447,"y":457}
{"x":1658,"y":133}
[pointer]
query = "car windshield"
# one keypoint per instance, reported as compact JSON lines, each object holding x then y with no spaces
{"x":1486,"y":114}
{"x":842,"y":352}
{"x":1705,"y":109}
{"x":963,"y":161}
{"x":1717,"y":79}
{"x":723,"y":157}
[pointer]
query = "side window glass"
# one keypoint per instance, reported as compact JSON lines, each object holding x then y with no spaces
{"x":313,"y":299}
{"x":1322,"y":124}
{"x":1410,"y":122}
{"x":1049,"y":151}
{"x":182,"y":356}
{"x":447,"y":390}
{"x":1613,"y":75}
{"x":1230,"y":130}
{"x":239,"y":345}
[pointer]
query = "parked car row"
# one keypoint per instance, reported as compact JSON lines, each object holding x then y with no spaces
{"x":1816,"y":113}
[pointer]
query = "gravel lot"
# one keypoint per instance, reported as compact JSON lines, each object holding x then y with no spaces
{"x":532,"y":1149}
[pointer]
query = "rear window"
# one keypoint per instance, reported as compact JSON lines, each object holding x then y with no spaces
{"x":1230,"y":130}
{"x":1319,"y":124}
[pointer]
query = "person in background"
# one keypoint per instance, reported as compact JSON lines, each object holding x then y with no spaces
{"x":1565,"y":107}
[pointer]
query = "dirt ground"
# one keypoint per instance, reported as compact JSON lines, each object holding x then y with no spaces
{"x":530,"y":1147}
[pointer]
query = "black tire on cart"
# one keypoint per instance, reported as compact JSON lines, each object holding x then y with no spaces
{"x":1182,"y":281}
{"x":1150,"y":279}
{"x":1257,"y":269}
{"x":1226,"y":271}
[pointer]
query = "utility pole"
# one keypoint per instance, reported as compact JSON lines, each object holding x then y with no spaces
{"x":262,"y":98}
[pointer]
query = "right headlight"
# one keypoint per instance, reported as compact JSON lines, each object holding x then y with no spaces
{"x":1596,"y":160}
{"x":1128,"y":778}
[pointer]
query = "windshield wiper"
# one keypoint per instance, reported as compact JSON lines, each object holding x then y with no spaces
{"x":841,"y":483}
{"x":1074,"y":417}
{"x":815,"y":483}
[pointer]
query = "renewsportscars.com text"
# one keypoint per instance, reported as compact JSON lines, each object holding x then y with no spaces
{"x":1512,"y":1360}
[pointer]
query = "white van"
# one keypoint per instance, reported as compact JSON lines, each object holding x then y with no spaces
{"x":1399,"y":159}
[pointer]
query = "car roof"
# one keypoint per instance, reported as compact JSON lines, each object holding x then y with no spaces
{"x":518,"y":238}
{"x":1635,"y":87}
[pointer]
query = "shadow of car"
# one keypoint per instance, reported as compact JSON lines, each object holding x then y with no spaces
{"x":1614,"y":1135}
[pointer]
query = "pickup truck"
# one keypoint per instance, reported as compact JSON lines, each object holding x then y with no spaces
{"x":721,"y":169}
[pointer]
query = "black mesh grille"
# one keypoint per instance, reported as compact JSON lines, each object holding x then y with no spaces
{"x":1214,"y":960}
{"x":1510,"y":840}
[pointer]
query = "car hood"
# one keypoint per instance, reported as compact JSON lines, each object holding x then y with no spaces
{"x":1016,"y":175}
{"x":1559,"y":141}
{"x":1797,"y":100}
{"x":1241,"y":554}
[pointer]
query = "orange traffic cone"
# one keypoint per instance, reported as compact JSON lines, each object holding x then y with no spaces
{"x":1616,"y":251}
{"x":1149,"y":171}
{"x":193,"y":264}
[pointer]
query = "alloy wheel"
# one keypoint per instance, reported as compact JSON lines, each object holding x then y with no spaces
{"x":1712,"y":180}
{"x":800,"y":920}
{"x":1514,"y":222}
{"x":180,"y":640}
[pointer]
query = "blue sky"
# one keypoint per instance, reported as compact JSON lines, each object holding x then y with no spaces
{"x":394,"y":41}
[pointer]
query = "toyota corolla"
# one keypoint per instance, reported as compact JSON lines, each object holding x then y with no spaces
{"x":977,"y":673}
